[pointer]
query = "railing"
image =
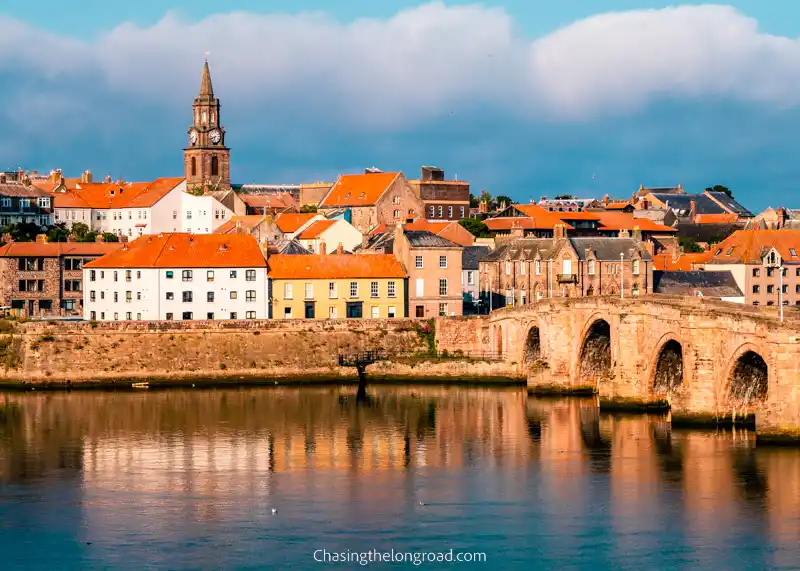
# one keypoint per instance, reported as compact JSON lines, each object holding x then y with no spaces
{"x":361,"y":358}
{"x":567,"y":278}
{"x":369,"y":357}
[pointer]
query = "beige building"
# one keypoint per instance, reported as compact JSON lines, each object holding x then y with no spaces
{"x":337,"y":286}
{"x":322,"y":232}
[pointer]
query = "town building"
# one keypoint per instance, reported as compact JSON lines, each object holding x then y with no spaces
{"x":535,"y":221}
{"x":571,"y":204}
{"x":449,"y":229}
{"x":776,"y":219}
{"x":764,"y":263}
{"x":523,"y":270}
{"x":178,"y":276}
{"x":443,"y":199}
{"x":433,"y":265}
{"x":373,"y":198}
{"x":44,"y":278}
{"x":706,"y":207}
{"x":321,"y":232}
{"x":206,"y":160}
{"x":231,"y":200}
{"x":470,"y":284}
{"x":272,"y":203}
{"x":24,"y":203}
{"x":311,"y":194}
{"x":711,"y":285}
{"x":337,"y":286}
{"x":292,"y":224}
{"x":262,"y":228}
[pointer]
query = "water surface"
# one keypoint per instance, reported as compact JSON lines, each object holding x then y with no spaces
{"x":190,"y":479}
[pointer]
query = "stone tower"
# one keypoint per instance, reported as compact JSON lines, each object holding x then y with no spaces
{"x":207,"y":161}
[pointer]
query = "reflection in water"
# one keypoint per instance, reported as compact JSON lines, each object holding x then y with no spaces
{"x":190,"y":478}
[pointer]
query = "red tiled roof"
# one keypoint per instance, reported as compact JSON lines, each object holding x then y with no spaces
{"x":617,"y":205}
{"x":543,"y":219}
{"x":750,"y":246}
{"x":316,"y":229}
{"x":616,"y":221}
{"x":177,"y":250}
{"x":334,"y":266}
{"x":379,"y":229}
{"x":112,"y":195}
{"x":248,"y":222}
{"x":291,"y":222}
{"x":715,"y":218}
{"x":22,"y":191}
{"x":277,"y":200}
{"x":358,"y":189}
{"x":683,"y":263}
{"x":508,"y":222}
{"x":449,"y":229}
{"x":56,"y":249}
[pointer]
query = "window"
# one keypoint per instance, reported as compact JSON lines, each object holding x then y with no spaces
{"x":235,"y":295}
{"x":250,"y":275}
{"x":433,"y":211}
{"x":127,"y":275}
{"x":234,"y":315}
{"x":470,"y":277}
{"x":31,"y":264}
{"x":169,"y":275}
{"x":797,"y":289}
{"x":91,"y":296}
{"x":373,"y":289}
{"x":138,"y":296}
{"x":462,"y":212}
{"x":770,"y":289}
{"x":730,"y":251}
{"x":187,"y":315}
{"x":353,"y":289}
{"x":188,"y":215}
{"x":391,"y":289}
{"x":797,"y":272}
{"x":756,"y":272}
{"x":128,"y":296}
{"x":102,"y":295}
{"x":770,"y":272}
{"x":785,"y":271}
{"x":138,"y":275}
{"x":128,"y":315}
{"x":508,"y":268}
{"x":250,"y":295}
{"x":250,"y":315}
{"x":755,"y":303}
{"x":116,"y":316}
{"x":168,"y":317}
{"x":210,"y":297}
{"x":186,"y":275}
{"x":566,"y":266}
{"x":93,"y":316}
{"x":375,"y":312}
{"x":396,"y":200}
{"x":538,"y":265}
{"x":442,"y":309}
{"x":418,"y":262}
{"x":332,"y":293}
{"x":175,"y":212}
{"x":73,"y":264}
{"x":442,"y":286}
{"x":590,"y":267}
{"x":441,"y":211}
{"x":635,"y":267}
{"x":442,"y":261}
{"x":509,"y":297}
{"x":396,"y":214}
{"x":770,"y":303}
{"x":419,"y":287}
{"x":116,"y":297}
{"x":287,"y":312}
{"x":210,"y":315}
{"x":756,"y":289}
{"x":449,"y":211}
{"x":92,"y":275}
{"x":214,"y":166}
{"x":287,"y":291}
{"x":115,"y":276}
{"x":210,"y":276}
{"x":233,"y":274}
{"x":72,"y":285}
{"x":392,"y":312}
{"x":170,"y":295}
{"x":785,"y":289}
{"x":309,"y":291}
{"x":187,"y":297}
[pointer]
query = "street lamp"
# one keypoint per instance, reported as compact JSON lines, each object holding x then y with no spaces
{"x":621,"y":274}
{"x":550,"y":279}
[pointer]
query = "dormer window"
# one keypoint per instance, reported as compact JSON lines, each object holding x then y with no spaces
{"x":362,"y":195}
{"x":730,"y":251}
{"x":346,"y":196}
{"x":793,"y":252}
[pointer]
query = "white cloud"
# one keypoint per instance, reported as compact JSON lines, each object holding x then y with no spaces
{"x":425,"y":61}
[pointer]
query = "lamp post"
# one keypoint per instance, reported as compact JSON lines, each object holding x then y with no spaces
{"x":550,"y":279}
{"x":621,"y":274}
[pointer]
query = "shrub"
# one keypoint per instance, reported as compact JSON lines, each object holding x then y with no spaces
{"x":223,"y":366}
{"x":47,"y":338}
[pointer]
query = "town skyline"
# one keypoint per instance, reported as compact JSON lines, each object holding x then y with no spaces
{"x":535,"y":138}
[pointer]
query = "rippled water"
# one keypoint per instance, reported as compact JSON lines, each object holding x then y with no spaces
{"x":190,"y":479}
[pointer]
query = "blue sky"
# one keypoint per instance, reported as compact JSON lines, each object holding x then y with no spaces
{"x":525,"y":98}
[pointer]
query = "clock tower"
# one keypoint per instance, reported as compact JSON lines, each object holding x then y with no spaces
{"x":207,"y":161}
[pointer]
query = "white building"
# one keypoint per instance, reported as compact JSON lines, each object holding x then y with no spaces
{"x":137,"y":208}
{"x":178,"y":277}
{"x":322,"y":234}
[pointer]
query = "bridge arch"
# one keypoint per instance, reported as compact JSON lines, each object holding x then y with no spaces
{"x":746,"y":383}
{"x":594,"y":355}
{"x":667,"y":368}
{"x":532,"y":349}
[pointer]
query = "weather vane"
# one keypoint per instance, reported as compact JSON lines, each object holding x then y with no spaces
{"x":208,"y":53}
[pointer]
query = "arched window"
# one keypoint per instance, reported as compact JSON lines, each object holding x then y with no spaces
{"x":214,"y":166}
{"x":194,"y":166}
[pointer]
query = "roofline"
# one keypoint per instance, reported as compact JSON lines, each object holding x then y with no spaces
{"x":330,"y":190}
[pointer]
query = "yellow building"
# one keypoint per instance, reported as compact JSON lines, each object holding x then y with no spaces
{"x":337,"y":286}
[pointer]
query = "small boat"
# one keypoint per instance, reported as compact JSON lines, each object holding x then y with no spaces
{"x":144,"y":385}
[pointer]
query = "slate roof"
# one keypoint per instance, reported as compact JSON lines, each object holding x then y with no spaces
{"x":425,"y":239}
{"x":707,"y":232}
{"x":289,"y":247}
{"x":471,"y":255}
{"x":731,"y":204}
{"x":707,"y":284}
{"x":609,"y":249}
{"x":681,"y":203}
{"x":523,"y":249}
{"x":22,"y":191}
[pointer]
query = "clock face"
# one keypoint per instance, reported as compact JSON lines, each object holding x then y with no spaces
{"x":193,"y":137}
{"x":215,"y":136}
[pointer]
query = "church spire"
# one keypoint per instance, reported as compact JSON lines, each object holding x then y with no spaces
{"x":206,"y":90}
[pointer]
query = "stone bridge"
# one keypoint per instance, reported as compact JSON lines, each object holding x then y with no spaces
{"x":704,"y":359}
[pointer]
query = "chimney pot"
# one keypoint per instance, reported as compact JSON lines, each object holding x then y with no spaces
{"x":70,"y":238}
{"x":364,"y":241}
{"x":99,"y":238}
{"x":323,"y":249}
{"x":41,"y":238}
{"x":340,"y":249}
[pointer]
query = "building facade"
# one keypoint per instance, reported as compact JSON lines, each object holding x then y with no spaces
{"x":45,"y":279}
{"x":470,"y":283}
{"x":185,"y":277}
{"x":443,"y":199}
{"x":337,"y":286}
{"x":321,"y":235}
{"x":24,"y":203}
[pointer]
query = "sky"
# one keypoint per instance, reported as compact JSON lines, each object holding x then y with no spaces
{"x":525,"y":98}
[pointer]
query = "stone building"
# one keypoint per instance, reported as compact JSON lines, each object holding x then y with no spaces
{"x":533,"y":220}
{"x":443,"y":199}
{"x":522,"y":270}
{"x":696,"y":283}
{"x":373,"y":198}
{"x":206,"y":160}
{"x":26,"y":203}
{"x":44,"y":278}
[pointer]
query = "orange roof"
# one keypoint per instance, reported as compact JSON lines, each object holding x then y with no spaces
{"x":274,"y":200}
{"x":334,"y":266}
{"x":248,"y":222}
{"x":449,"y":229}
{"x":683,"y":263}
{"x":291,"y":222}
{"x":46,"y":185}
{"x":112,"y":195}
{"x":379,"y":229}
{"x":750,"y":246}
{"x":542,"y":218}
{"x":715,"y":218}
{"x":616,"y":221}
{"x":358,"y":189}
{"x":178,"y":250}
{"x":316,"y":229}
{"x":617,"y":205}
{"x":56,"y":249}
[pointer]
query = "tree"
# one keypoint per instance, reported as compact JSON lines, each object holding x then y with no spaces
{"x":308,"y":209}
{"x":22,"y":232}
{"x":110,"y":237}
{"x":196,"y":191}
{"x":485,"y":196}
{"x":58,"y":233}
{"x":720,"y":188}
{"x":503,"y":199}
{"x":689,"y":245}
{"x":80,"y":231}
{"x":473,"y":201}
{"x":475,"y":227}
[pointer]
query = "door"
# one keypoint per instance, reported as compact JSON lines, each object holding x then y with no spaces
{"x":332,"y":314}
{"x":420,"y":311}
{"x":354,"y":310}
{"x":309,"y":313}
{"x":30,"y":307}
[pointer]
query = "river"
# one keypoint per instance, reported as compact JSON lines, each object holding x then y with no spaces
{"x":276,"y":478}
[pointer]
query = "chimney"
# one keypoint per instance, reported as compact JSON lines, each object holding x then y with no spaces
{"x":516,"y":230}
{"x":644,"y":204}
{"x":637,"y":234}
{"x":692,"y":209}
{"x":70,"y":238}
{"x":265,"y":248}
{"x":86,"y":177}
{"x":483,"y":207}
{"x":238,"y":226}
{"x":107,"y":179}
{"x":680,"y":187}
{"x":364,"y":241}
{"x":339,"y":249}
{"x":54,"y":176}
{"x":8,"y":238}
{"x":125,"y":245}
{"x":2,"y":178}
{"x":559,"y":232}
{"x":605,"y":199}
{"x":99,"y":238}
{"x":323,"y":248}
{"x":41,"y":239}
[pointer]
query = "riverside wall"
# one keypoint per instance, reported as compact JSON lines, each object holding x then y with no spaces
{"x":82,"y":353}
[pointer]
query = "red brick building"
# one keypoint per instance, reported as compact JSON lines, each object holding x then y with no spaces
{"x":443,"y":199}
